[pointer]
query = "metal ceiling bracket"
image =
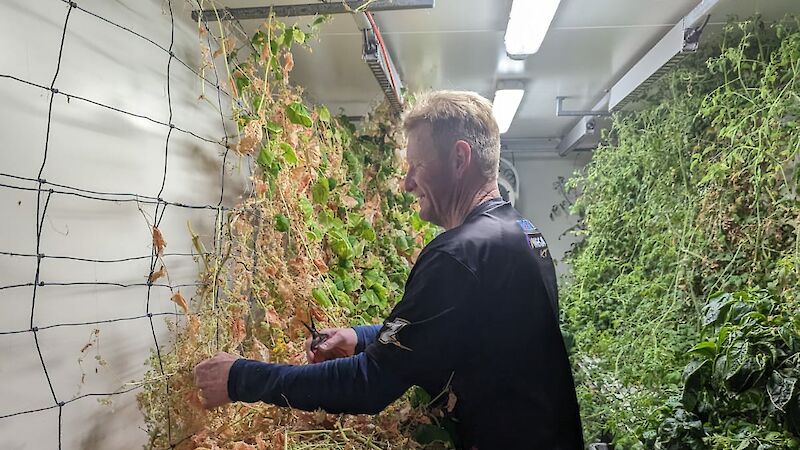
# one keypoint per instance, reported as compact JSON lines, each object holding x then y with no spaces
{"x":586,"y":133}
{"x":691,"y":37}
{"x":310,"y":9}
{"x":560,"y":112}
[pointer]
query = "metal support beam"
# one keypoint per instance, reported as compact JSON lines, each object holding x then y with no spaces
{"x":681,"y":40}
{"x":560,"y":112}
{"x":540,"y":146}
{"x":310,"y":9}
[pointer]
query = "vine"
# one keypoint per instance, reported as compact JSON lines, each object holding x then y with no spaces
{"x":693,"y":195}
{"x":326,"y":232}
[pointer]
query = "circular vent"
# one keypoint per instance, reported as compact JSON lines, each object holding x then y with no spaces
{"x":508,"y":181}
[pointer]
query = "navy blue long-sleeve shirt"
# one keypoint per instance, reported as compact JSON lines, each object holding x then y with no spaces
{"x":479,"y":320}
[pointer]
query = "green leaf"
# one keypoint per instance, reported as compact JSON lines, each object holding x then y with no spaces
{"x":368,"y":298}
{"x":259,"y":39}
{"x":781,"y":390}
{"x":281,"y":223}
{"x":324,"y":114}
{"x":264,"y":157}
{"x":320,"y":19}
{"x":428,"y":434}
{"x":419,"y":397}
{"x":320,"y":191}
{"x":716,"y":308}
{"x":274,"y":128}
{"x":288,"y":37}
{"x":371,"y":277}
{"x":299,"y":36}
{"x":298,"y":114}
{"x":706,"y":348}
{"x":306,"y":208}
{"x":288,"y":153}
{"x":241,"y":83}
{"x":257,"y":102}
{"x":321,"y":297}
{"x":340,"y":245}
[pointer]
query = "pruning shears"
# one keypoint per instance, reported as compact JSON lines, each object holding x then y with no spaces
{"x":317,"y":338}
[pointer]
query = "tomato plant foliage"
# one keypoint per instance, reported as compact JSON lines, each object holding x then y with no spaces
{"x":681,"y":311}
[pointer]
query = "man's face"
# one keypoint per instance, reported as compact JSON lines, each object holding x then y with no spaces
{"x":430,"y":178}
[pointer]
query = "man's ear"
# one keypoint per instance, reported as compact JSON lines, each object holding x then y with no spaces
{"x":462,"y":156}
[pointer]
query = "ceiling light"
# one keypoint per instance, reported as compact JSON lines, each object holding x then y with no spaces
{"x":506,"y":101}
{"x":527,"y":26}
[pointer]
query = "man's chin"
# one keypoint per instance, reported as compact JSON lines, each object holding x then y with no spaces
{"x":425,"y":215}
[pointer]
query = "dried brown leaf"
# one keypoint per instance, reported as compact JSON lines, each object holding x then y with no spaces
{"x":272,"y":316}
{"x":349,"y":202}
{"x":157,"y":274}
{"x":250,"y":139}
{"x":238,"y":331}
{"x":260,"y":351}
{"x":158,"y":241}
{"x":288,"y":65}
{"x":261,"y":443}
{"x":321,"y":265}
{"x":227,"y":46}
{"x":278,"y":440}
{"x":180,"y":300}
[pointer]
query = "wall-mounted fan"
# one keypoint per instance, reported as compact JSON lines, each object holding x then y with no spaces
{"x":508,"y":181}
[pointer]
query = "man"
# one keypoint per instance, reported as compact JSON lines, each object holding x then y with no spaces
{"x":478,"y":319}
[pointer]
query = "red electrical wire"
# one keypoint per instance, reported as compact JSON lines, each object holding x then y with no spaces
{"x":383,"y":49}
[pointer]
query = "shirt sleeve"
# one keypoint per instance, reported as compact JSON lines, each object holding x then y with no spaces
{"x":428,"y":330}
{"x":366,"y":335}
{"x":354,"y":385}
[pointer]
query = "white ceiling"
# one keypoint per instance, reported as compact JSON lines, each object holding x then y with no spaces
{"x":459,"y":45}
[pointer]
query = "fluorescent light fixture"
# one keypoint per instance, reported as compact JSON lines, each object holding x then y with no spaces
{"x":506,"y":101}
{"x":527,"y":26}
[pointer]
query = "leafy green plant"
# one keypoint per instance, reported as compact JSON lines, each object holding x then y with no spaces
{"x":740,"y":387}
{"x":693,"y":193}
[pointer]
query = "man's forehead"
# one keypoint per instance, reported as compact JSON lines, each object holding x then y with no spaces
{"x":419,"y":142}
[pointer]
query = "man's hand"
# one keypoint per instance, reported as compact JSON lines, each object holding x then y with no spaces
{"x":211,"y":377}
{"x":341,"y":343}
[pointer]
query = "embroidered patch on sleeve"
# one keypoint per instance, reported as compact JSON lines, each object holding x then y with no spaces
{"x":389,"y":333}
{"x":533,"y":235}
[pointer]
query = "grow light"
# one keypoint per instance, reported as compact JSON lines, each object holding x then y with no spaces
{"x":506,"y":101}
{"x":527,"y":26}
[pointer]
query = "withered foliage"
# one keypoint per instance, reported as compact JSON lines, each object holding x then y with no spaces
{"x":326,"y":231}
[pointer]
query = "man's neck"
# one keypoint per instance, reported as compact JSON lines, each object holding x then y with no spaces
{"x":462,"y":209}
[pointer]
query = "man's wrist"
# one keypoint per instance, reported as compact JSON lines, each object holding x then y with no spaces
{"x":365,"y":335}
{"x":233,"y":378}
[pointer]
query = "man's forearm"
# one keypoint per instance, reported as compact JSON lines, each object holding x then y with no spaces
{"x":354,"y":385}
